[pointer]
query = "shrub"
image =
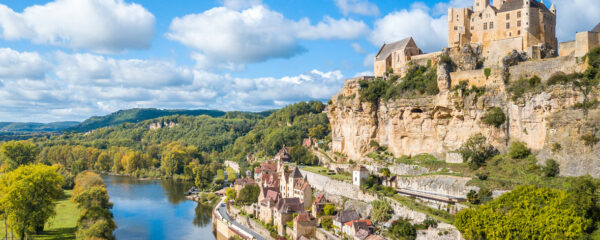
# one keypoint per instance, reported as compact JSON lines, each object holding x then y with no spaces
{"x":518,"y":150}
{"x":487,"y":72}
{"x":382,"y":211}
{"x":326,"y":223}
{"x":482,"y":176}
{"x":590,"y":139}
{"x":494,"y":117}
{"x":402,"y":229}
{"x":329,"y":209}
{"x":430,"y":222}
{"x":522,"y":86}
{"x":374,"y":144}
{"x":476,"y":150}
{"x":556,"y":147}
{"x":371,"y":91}
{"x":551,"y":169}
{"x":418,"y":80}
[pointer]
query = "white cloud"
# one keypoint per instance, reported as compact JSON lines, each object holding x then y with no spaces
{"x":575,"y":16}
{"x":97,"y":25}
{"x":368,"y":61}
{"x":430,"y":33}
{"x":360,"y":7}
{"x":17,"y":65}
{"x":441,"y":8}
{"x":240,"y":4}
{"x":226,"y":37}
{"x":358,"y":48}
{"x":365,"y":73}
{"x":77,"y":86}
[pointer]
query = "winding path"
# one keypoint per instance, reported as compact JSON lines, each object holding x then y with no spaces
{"x":238,"y":228}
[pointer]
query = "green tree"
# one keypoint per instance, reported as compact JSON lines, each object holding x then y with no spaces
{"x":527,"y":212}
{"x":518,"y":150}
{"x":248,"y":195}
{"x":230,"y":193}
{"x":382,"y":210}
{"x":17,"y":153}
{"x":551,"y":169}
{"x":402,"y":229}
{"x":329,"y":209}
{"x":317,"y":132}
{"x":302,"y":155}
{"x":96,"y":220}
{"x":476,"y":151}
{"x":494,"y":117}
{"x":30,"y":194}
{"x":326,"y":222}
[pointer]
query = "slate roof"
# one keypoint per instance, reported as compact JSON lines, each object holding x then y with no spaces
{"x":387,"y":49}
{"x":361,"y":234}
{"x":511,"y":5}
{"x":289,"y":205}
{"x":346,"y":216}
{"x":304,"y":217}
{"x":296,"y":173}
{"x":597,"y":28}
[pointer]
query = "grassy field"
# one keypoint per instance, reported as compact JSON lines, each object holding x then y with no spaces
{"x":323,"y":171}
{"x":61,"y":226}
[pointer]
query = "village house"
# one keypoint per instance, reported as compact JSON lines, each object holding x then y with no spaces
{"x":284,"y":211}
{"x":358,"y":229}
{"x":395,"y":56}
{"x":359,"y":174}
{"x":293,"y":185}
{"x":241,"y":183}
{"x":283,"y":155}
{"x":345,"y":216}
{"x":318,"y":204}
{"x":304,"y":226}
{"x":268,"y":199}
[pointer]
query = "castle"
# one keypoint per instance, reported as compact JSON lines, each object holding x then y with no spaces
{"x":494,"y":30}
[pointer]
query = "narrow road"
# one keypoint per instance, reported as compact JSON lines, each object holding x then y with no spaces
{"x":222,"y":208}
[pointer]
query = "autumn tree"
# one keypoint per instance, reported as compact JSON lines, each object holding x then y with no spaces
{"x":17,"y":153}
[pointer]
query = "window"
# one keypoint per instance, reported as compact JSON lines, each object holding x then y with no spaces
{"x":472,"y":28}
{"x":455,"y":28}
{"x":518,"y":23}
{"x":510,"y":34}
{"x":507,"y":25}
{"x":518,"y":14}
{"x":491,"y":25}
{"x":484,"y":26}
{"x":519,"y":32}
{"x":508,"y":16}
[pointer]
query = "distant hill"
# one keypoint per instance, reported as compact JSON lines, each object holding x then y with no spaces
{"x":30,"y":127}
{"x":135,"y":115}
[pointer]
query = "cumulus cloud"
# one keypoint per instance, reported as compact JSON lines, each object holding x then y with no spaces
{"x":430,"y":33}
{"x":240,"y":4}
{"x":17,"y":65}
{"x":77,"y":86}
{"x":252,"y":35}
{"x":360,"y":7}
{"x":98,"y":25}
{"x":575,"y":16}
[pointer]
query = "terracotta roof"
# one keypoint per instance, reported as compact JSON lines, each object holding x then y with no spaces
{"x":597,"y":28}
{"x":320,"y":197}
{"x":365,"y":221}
{"x":387,"y":49}
{"x":272,"y":195}
{"x":362,"y":234}
{"x":304,"y":217}
{"x":346,"y":216}
{"x":244,"y":181}
{"x":511,"y":5}
{"x":374,"y":237}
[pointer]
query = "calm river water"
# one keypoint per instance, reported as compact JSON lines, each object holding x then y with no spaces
{"x":156,"y":209}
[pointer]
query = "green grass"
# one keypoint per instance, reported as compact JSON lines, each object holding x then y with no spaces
{"x":323,"y":171}
{"x":61,"y":226}
{"x":231,"y":176}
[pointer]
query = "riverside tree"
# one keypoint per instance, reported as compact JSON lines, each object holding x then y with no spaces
{"x":29,"y":197}
{"x":96,"y":220}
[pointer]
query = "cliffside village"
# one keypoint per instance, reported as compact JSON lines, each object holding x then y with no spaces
{"x":286,"y":195}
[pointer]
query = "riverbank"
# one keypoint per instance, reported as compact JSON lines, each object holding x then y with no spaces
{"x":61,"y":226}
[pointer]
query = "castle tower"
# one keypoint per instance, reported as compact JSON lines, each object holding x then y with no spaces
{"x":553,"y":9}
{"x":480,"y":5}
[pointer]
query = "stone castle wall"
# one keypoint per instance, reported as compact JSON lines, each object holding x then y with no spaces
{"x":327,"y":185}
{"x":438,"y":184}
{"x":545,"y":68}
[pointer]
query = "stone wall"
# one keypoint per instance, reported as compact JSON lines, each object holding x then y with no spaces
{"x":422,"y":59}
{"x":327,"y":185}
{"x":475,"y":77}
{"x":545,"y":68}
{"x":438,"y":184}
{"x":501,"y":48}
{"x":443,"y":231}
{"x":566,"y":48}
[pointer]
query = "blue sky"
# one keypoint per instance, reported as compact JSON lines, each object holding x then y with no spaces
{"x":72,"y":59}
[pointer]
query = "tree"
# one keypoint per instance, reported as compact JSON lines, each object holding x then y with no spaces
{"x":382,"y":210}
{"x":494,"y":117}
{"x":96,"y":220}
{"x":326,"y":222}
{"x":402,"y":229}
{"x":317,"y":132}
{"x":17,"y":153}
{"x":476,"y":151}
{"x":527,"y":212}
{"x":301,"y":155}
{"x":230,"y":193}
{"x":329,"y":209}
{"x":30,"y":194}
{"x":248,"y":195}
{"x":518,"y":150}
{"x":551,"y":169}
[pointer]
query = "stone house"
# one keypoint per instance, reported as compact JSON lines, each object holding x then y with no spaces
{"x":283,"y":154}
{"x":395,"y":56}
{"x":283,"y":212}
{"x":358,"y":227}
{"x":359,"y":174}
{"x":268,"y":199}
{"x":503,"y":26}
{"x":318,"y":204}
{"x":343,"y":217}
{"x":293,"y":185}
{"x":304,"y":226}
{"x":239,"y":184}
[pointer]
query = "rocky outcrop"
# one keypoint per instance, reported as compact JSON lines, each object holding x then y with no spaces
{"x":438,"y":184}
{"x":440,"y":124}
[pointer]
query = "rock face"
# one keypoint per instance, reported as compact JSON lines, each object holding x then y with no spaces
{"x":440,"y":124}
{"x":442,"y":184}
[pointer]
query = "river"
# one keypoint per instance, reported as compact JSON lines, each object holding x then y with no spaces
{"x":156,"y":209}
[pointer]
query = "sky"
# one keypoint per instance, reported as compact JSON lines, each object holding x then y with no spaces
{"x":67,"y":60}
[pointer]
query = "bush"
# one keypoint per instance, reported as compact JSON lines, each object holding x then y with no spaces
{"x":371,"y":91}
{"x":551,"y":169}
{"x":326,"y":223}
{"x":476,"y":151}
{"x":430,"y":222}
{"x":494,"y":117}
{"x":248,"y":195}
{"x":518,"y":150}
{"x":590,"y":139}
{"x":402,"y":229}
{"x":382,"y":211}
{"x":556,"y":147}
{"x":487,"y":72}
{"x":482,"y":176}
{"x":522,"y":86}
{"x":329,"y":209}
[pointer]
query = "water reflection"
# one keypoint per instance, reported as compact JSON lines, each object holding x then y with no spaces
{"x":156,"y":209}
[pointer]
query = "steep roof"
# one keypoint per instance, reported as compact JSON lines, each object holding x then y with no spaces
{"x":346,"y":216}
{"x":296,"y":173}
{"x":304,"y":217}
{"x":510,"y":5}
{"x":320,"y":197}
{"x":597,"y":28}
{"x":387,"y":49}
{"x":289,"y":205}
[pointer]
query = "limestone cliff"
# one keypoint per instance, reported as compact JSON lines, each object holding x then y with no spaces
{"x":440,"y":124}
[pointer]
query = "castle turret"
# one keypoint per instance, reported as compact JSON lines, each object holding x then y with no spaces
{"x":553,"y":9}
{"x":480,"y":5}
